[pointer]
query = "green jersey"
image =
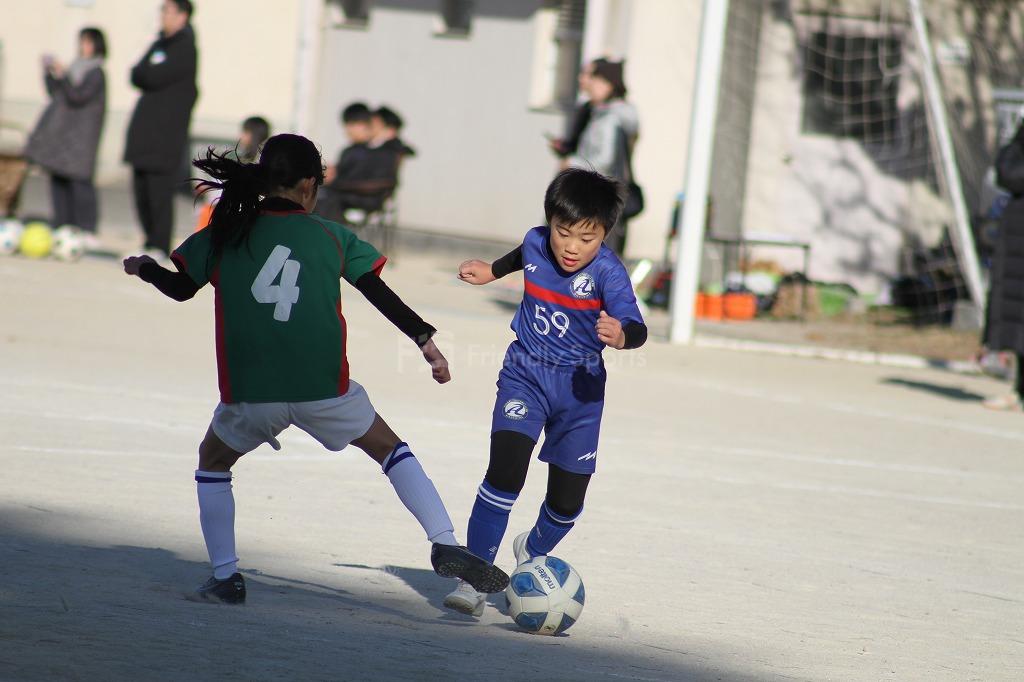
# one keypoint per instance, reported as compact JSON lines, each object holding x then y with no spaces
{"x":279,"y":328}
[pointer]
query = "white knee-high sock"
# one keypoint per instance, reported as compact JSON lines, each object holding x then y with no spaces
{"x":418,"y":494}
{"x":217,"y":517}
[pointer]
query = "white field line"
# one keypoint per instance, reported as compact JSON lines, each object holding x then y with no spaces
{"x":107,"y":390}
{"x":848,"y":408}
{"x":857,"y":492}
{"x":856,"y":463}
{"x":728,"y":480}
{"x":149,"y":454}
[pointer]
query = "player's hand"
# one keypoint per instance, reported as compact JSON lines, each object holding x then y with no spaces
{"x":437,"y":362}
{"x":476,"y":272}
{"x":609,"y":330}
{"x":132,"y":264}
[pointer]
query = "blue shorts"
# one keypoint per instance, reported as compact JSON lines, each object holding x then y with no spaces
{"x":566,"y":402}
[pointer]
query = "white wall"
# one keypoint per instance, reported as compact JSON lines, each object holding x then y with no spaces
{"x":821,"y":189}
{"x":482,"y":162}
{"x":660,"y":63}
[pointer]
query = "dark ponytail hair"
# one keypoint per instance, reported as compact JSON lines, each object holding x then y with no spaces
{"x":286,"y":159}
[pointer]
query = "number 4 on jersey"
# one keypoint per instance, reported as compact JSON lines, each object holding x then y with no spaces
{"x":285,"y":294}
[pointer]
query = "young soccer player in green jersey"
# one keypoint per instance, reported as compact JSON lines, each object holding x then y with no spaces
{"x":280,"y":339}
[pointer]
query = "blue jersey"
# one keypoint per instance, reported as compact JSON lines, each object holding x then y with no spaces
{"x":557,"y":319}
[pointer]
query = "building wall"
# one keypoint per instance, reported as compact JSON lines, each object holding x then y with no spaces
{"x":856,"y":211}
{"x":661,"y":54}
{"x":246,"y":62}
{"x":482,"y":162}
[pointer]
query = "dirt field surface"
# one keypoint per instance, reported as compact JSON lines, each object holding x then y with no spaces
{"x":753,"y":517}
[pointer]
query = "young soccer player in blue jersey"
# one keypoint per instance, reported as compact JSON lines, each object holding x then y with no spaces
{"x":578,"y":299}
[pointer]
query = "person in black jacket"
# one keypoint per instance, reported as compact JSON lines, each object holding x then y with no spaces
{"x":158,"y":132}
{"x":1004,"y":319}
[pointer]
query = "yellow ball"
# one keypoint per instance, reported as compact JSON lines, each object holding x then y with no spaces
{"x":36,"y":240}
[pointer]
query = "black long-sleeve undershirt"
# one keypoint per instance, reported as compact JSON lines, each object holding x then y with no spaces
{"x":509,"y":263}
{"x":180,"y":287}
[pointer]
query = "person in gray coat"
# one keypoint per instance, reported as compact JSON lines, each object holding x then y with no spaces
{"x":606,"y":143}
{"x":1004,"y":319}
{"x":65,"y":141}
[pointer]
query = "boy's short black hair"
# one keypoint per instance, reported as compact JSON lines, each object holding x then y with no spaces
{"x":357,"y":112}
{"x":258,"y":127}
{"x":185,"y":7}
{"x":389,"y":117}
{"x":577,"y":195}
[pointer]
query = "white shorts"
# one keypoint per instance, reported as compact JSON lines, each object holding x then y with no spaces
{"x":335,"y":422}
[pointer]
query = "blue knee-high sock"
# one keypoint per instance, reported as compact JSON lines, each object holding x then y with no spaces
{"x":549,"y":530}
{"x":489,"y":520}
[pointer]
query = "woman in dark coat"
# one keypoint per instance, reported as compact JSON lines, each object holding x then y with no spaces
{"x":158,"y":132}
{"x":1004,"y":323}
{"x":67,"y":136}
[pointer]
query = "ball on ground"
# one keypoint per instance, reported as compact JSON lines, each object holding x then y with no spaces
{"x":10,"y":235}
{"x":545,"y":595}
{"x":68,"y":243}
{"x":36,"y":240}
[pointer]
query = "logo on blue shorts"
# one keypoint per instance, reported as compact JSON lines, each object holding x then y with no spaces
{"x":515,"y":409}
{"x":582,"y":286}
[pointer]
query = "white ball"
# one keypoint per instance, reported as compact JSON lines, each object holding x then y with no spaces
{"x":10,"y":235}
{"x":545,"y":595}
{"x":68,"y":243}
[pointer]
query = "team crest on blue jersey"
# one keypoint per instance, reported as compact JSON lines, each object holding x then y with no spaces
{"x":582,"y":285}
{"x":515,"y":409}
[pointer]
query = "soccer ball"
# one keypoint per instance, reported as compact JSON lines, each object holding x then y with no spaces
{"x":36,"y":240}
{"x":68,"y":243}
{"x":10,"y":236}
{"x":545,"y":595}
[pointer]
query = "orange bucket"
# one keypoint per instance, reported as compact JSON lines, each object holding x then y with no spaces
{"x":711,"y":308}
{"x":739,"y":306}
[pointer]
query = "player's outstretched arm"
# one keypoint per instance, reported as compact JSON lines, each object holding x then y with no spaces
{"x":437,"y":361}
{"x":479,"y":272}
{"x":476,"y":272}
{"x":384,"y":299}
{"x":176,"y":285}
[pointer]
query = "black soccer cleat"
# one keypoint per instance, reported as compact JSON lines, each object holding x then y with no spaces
{"x":228,"y":591}
{"x":451,"y":561}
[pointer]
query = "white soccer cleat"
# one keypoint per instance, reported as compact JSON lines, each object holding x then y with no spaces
{"x":466,"y":600}
{"x":519,"y":548}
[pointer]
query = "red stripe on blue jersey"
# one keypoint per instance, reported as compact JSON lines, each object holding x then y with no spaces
{"x":543,"y":294}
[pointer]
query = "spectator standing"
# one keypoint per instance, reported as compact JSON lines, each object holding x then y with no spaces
{"x":606,"y":142}
{"x":1004,"y":319}
{"x":564,"y":146}
{"x":65,"y":140}
{"x":158,"y":132}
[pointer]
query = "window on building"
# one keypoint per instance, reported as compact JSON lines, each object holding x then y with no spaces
{"x":851,"y":85}
{"x":456,"y":17}
{"x":558,"y":27}
{"x":349,"y":13}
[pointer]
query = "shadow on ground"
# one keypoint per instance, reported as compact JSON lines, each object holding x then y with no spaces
{"x":950,"y":392}
{"x":71,"y":611}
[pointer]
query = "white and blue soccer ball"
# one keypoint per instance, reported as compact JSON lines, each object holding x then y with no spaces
{"x":10,"y":235}
{"x":545,"y":595}
{"x":68,"y":243}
